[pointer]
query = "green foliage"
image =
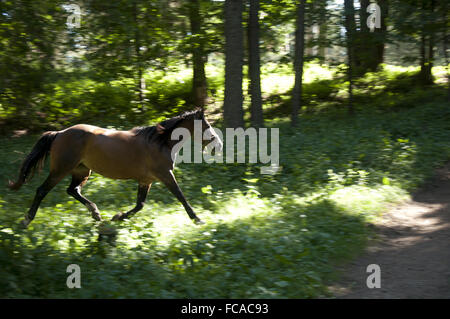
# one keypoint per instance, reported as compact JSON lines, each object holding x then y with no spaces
{"x":80,"y":101}
{"x":319,"y":91}
{"x":111,"y":104}
{"x":277,"y":236}
{"x":391,"y":87}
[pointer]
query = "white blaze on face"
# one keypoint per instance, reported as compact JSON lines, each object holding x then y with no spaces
{"x":216,"y":143}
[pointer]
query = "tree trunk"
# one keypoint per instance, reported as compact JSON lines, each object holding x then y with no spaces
{"x":323,"y":27}
{"x":322,"y":23}
{"x":380,"y":47}
{"x":298,"y":62}
{"x":140,"y":84}
{"x":445,"y":45}
{"x":234,"y":55}
{"x":370,"y":45}
{"x":431,"y":45}
{"x":426,"y":46}
{"x":254,"y":65}
{"x":423,"y":59}
{"x":199,"y":84}
{"x":350,"y":27}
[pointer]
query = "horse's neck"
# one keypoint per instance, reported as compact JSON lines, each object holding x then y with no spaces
{"x":186,"y":125}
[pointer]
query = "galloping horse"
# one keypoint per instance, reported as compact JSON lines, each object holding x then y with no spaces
{"x":143,"y":154}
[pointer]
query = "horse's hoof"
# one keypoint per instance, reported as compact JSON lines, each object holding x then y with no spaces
{"x":96,"y":215}
{"x":119,"y":217}
{"x":198,"y":221}
{"x":105,"y":229}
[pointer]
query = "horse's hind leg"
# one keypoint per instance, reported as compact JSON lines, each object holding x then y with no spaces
{"x":141,"y":196}
{"x":80,"y":176}
{"x":41,"y":192}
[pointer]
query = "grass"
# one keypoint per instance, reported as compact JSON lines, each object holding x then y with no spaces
{"x":265,"y":236}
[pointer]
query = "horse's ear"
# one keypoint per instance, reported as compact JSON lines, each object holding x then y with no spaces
{"x":160,"y":129}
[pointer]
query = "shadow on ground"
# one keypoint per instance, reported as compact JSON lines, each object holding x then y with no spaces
{"x":412,"y":248}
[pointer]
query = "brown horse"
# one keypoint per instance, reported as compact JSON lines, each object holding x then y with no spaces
{"x":143,"y":154}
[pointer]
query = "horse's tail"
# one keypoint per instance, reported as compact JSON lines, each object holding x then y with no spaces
{"x":35,"y":160}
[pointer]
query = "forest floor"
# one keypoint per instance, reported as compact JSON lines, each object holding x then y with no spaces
{"x":412,"y":247}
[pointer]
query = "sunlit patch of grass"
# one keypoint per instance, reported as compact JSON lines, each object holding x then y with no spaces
{"x":275,"y":82}
{"x":173,"y":225}
{"x":440,"y":73}
{"x":317,"y":72}
{"x":240,"y":207}
{"x":397,"y":69}
{"x":367,"y":201}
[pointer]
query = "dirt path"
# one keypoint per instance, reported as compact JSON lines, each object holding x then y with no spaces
{"x":412,"y":248}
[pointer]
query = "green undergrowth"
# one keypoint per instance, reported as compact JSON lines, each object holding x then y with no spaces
{"x":266,"y":236}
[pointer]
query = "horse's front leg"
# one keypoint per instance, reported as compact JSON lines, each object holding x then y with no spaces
{"x":141,"y":196}
{"x":169,"y":180}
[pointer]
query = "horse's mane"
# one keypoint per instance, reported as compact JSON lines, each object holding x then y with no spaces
{"x":151,"y":135}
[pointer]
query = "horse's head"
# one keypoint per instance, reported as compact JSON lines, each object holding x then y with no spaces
{"x":209,"y":135}
{"x":197,"y":125}
{"x":201,"y":130}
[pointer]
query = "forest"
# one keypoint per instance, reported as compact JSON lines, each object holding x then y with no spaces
{"x":359,"y":91}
